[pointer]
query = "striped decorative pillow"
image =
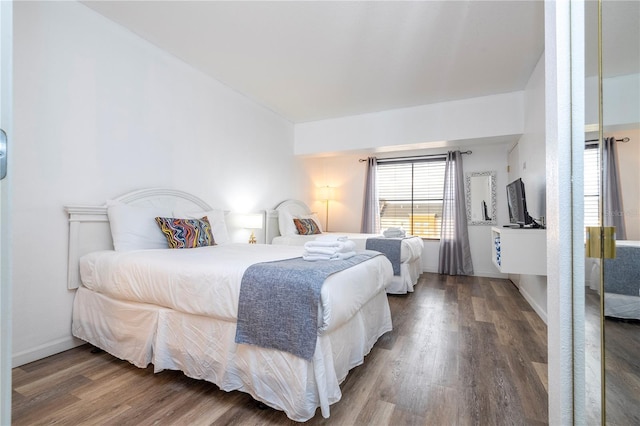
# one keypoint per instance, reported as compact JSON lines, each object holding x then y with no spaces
{"x":186,"y":233}
{"x":306,"y":226}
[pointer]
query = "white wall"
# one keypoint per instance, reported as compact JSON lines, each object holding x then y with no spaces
{"x":629,"y":167}
{"x":99,"y":112}
{"x":484,"y":117}
{"x":531,"y":169}
{"x":346,"y":175}
{"x":620,"y":105}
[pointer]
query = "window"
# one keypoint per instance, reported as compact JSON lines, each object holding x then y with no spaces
{"x":591,"y":185}
{"x":410,"y":195}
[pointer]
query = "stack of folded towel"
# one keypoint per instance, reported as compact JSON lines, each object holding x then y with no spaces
{"x":329,"y":248}
{"x":394,"y":233}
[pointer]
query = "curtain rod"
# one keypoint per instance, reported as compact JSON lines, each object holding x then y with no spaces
{"x":623,"y":140}
{"x":418,"y":157}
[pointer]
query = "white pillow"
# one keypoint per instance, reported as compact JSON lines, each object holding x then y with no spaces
{"x":135,"y":228}
{"x":216,"y":219}
{"x":286,"y":225}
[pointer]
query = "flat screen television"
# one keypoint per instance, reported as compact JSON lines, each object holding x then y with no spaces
{"x":517,"y":202}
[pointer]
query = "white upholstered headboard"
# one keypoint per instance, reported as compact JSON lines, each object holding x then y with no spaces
{"x":295,"y":207}
{"x":89,"y":225}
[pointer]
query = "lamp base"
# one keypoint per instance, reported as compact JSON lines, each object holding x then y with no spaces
{"x":326,"y":217}
{"x":252,"y":238}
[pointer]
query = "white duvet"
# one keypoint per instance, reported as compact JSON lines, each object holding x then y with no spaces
{"x":411,"y":247}
{"x":206,"y":281}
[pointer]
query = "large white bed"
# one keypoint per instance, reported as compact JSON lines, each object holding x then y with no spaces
{"x":280,"y":232}
{"x":177,"y":308}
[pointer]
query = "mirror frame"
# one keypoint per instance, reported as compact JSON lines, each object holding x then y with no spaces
{"x":492,"y":208}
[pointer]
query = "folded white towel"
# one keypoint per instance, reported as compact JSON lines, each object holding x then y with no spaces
{"x":315,"y":257}
{"x":394,"y":233}
{"x":316,"y":243}
{"x":346,"y":245}
{"x":327,"y":251}
{"x":332,"y":238}
{"x":344,"y":255}
{"x":336,"y":256}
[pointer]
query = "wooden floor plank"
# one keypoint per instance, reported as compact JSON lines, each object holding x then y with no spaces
{"x":30,"y":409}
{"x":541,"y":371}
{"x":463,"y":350}
{"x":376,"y":412}
{"x":480,"y":310}
{"x":42,"y":384}
{"x":443,"y":406}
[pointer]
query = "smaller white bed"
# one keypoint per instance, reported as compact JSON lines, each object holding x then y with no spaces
{"x":280,"y":230}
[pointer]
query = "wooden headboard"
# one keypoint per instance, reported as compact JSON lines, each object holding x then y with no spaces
{"x":295,"y":207}
{"x":89,"y":225}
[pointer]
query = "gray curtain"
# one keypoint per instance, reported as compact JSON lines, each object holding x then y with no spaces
{"x":455,"y":253}
{"x":371,"y":210}
{"x":612,"y":197}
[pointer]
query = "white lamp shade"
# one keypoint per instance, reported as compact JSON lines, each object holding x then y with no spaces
{"x":249,"y":220}
{"x":326,"y":193}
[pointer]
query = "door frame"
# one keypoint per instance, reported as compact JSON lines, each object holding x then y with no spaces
{"x":6,"y":121}
{"x":564,"y":134}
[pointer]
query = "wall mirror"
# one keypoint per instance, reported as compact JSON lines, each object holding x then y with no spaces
{"x":481,"y":198}
{"x":611,"y":372}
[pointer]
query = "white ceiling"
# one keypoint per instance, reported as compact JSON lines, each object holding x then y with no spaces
{"x":314,"y":60}
{"x":311,"y":60}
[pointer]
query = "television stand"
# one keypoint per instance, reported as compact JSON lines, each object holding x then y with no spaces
{"x":519,"y":250}
{"x":534,"y":225}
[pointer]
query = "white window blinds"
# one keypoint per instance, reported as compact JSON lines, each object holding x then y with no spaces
{"x":591,"y":185}
{"x":410,"y":195}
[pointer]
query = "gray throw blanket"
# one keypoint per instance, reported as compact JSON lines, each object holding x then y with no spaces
{"x":278,"y":305}
{"x":390,"y":247}
{"x":622,"y":274}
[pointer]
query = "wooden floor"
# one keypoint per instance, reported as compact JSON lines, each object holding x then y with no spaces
{"x":464,"y":350}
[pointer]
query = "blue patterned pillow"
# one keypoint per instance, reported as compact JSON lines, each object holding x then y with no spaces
{"x":306,"y":226}
{"x":186,"y":233}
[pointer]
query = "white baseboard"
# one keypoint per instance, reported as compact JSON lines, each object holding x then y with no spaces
{"x":475,"y":274}
{"x":542,"y":313}
{"x":491,"y":274}
{"x":43,"y":351}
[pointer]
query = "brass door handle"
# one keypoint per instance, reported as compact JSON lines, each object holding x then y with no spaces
{"x":3,"y":154}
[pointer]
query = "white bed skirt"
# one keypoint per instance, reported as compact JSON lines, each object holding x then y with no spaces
{"x":409,"y":273}
{"x":204,"y":348}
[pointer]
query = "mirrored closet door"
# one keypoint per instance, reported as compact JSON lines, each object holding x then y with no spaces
{"x":612,"y":208}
